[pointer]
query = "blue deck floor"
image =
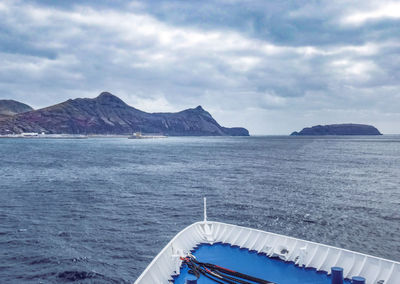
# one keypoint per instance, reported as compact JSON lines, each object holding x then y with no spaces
{"x":253,"y":264}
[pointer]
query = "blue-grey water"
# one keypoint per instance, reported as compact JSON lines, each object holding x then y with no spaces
{"x":99,"y":210}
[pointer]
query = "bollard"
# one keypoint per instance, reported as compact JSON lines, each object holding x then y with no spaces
{"x":337,"y":275}
{"x":358,"y":280}
{"x":191,"y":279}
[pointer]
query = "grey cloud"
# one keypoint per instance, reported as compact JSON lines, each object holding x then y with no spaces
{"x":294,"y":60}
{"x":293,"y":23}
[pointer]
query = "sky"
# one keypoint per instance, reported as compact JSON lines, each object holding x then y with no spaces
{"x":271,"y":66}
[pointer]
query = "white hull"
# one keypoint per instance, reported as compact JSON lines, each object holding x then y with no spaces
{"x":303,"y":253}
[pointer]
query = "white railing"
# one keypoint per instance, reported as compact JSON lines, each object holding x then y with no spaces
{"x":303,"y":253}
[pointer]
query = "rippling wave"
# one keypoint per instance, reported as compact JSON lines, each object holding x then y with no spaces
{"x":98,"y":210}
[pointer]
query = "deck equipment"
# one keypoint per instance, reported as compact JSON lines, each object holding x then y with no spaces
{"x":187,"y":259}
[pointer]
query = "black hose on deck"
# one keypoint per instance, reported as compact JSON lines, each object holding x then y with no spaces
{"x":220,"y":274}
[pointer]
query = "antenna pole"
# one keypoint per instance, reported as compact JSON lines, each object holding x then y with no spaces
{"x":205,"y":209}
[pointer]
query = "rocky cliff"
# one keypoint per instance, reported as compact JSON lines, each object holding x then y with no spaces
{"x":339,"y":129}
{"x":107,"y":114}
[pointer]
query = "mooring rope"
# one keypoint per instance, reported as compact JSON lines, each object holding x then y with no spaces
{"x":219,"y":274}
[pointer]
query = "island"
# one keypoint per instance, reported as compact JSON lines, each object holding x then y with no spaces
{"x":107,"y":114}
{"x":338,"y":129}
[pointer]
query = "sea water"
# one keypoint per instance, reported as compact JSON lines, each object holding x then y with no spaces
{"x":98,"y":210}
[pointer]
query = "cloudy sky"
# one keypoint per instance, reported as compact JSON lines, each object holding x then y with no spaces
{"x":270,"y":66}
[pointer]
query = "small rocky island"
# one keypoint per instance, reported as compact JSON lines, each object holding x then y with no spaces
{"x":338,"y":129}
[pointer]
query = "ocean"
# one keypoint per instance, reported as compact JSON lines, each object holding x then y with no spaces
{"x":98,"y":210}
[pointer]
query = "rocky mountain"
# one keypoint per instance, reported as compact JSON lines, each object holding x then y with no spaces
{"x":11,"y":107}
{"x":107,"y":114}
{"x":339,"y":129}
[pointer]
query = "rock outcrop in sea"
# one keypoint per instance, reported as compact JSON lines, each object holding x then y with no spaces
{"x":107,"y":114}
{"x":339,"y":129}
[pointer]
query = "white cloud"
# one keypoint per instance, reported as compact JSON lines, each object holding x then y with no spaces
{"x":384,"y":10}
{"x":355,"y":70}
{"x":156,"y":103}
{"x":3,"y":7}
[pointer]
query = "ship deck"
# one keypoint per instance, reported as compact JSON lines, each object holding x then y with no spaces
{"x":302,"y":261}
{"x":252,"y":263}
